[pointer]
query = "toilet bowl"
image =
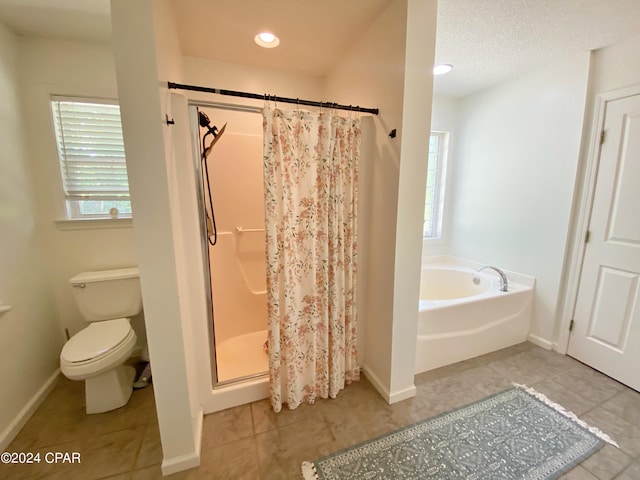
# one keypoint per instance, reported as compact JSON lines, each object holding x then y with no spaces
{"x":97,"y":353}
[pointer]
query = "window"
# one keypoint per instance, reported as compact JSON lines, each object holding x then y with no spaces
{"x":434,"y":202}
{"x":92,"y":162}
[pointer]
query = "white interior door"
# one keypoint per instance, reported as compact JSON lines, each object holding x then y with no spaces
{"x":606,"y":329}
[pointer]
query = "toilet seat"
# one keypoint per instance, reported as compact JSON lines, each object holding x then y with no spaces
{"x":95,"y":340}
{"x":97,"y":348}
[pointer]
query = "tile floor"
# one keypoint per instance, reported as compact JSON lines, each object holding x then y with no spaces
{"x":251,"y":442}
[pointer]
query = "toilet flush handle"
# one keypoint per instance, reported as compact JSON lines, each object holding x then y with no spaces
{"x":79,"y":285}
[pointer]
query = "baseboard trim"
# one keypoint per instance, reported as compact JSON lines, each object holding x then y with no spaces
{"x":188,"y":460}
{"x":398,"y":396}
{"x":29,"y":409}
{"x":180,"y":463}
{"x":541,"y":342}
{"x":389,"y":397}
{"x":199,"y":425}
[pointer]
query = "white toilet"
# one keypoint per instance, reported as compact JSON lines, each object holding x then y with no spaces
{"x":97,"y":353}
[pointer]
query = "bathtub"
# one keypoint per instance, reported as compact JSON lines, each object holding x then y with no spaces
{"x":461,"y":319}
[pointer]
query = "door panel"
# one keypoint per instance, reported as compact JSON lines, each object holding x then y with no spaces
{"x":611,"y":315}
{"x":606,"y":332}
{"x":624,"y":225}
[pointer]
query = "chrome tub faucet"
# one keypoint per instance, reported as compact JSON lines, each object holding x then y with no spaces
{"x":504,"y":283}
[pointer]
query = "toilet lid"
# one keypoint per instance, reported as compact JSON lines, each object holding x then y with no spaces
{"x":95,"y":340}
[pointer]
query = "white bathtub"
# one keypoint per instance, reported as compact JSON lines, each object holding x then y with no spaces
{"x":459,"y":319}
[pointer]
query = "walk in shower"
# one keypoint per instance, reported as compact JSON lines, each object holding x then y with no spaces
{"x":233,"y":222}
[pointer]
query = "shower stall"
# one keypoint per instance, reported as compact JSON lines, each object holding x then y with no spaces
{"x":232,"y":218}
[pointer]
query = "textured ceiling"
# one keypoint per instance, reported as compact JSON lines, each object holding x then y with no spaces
{"x":488,"y":41}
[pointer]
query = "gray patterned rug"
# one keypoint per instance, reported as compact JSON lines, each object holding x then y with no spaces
{"x":515,"y":434}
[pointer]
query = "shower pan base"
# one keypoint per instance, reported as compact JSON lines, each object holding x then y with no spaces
{"x":242,"y":356}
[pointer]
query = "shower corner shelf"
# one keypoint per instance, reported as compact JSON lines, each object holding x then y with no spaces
{"x":4,"y":309}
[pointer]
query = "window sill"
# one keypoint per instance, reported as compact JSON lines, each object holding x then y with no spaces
{"x":94,"y":223}
{"x":432,"y":240}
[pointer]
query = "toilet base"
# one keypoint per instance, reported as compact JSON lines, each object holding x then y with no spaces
{"x":109,"y":390}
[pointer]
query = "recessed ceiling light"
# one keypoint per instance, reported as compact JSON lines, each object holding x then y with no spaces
{"x":442,"y":69}
{"x":267,"y":40}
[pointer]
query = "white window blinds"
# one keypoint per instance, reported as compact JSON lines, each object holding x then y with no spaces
{"x":91,"y":149}
{"x":435,"y":186}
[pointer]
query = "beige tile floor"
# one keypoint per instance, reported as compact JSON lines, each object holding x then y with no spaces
{"x":251,"y":442}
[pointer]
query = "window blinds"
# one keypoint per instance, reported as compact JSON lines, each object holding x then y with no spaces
{"x":432,"y":202}
{"x":91,"y":150}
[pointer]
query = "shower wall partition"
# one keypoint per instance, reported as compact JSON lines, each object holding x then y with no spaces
{"x":237,"y":260}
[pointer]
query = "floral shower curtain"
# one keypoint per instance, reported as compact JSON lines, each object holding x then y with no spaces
{"x":311,"y":201}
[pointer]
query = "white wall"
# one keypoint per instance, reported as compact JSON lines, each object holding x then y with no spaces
{"x":231,"y":76}
{"x":372,"y":74}
{"x":615,"y":67}
{"x":517,"y":148}
{"x":444,"y":114}
{"x":78,"y":69}
{"x":444,"y":118}
{"x":30,"y":337}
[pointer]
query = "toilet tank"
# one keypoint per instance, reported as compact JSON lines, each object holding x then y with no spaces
{"x":108,"y":294}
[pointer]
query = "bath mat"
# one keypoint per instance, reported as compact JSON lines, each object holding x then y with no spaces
{"x":514,"y":434}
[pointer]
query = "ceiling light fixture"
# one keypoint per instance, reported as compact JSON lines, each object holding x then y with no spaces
{"x":442,"y":69}
{"x":267,"y":40}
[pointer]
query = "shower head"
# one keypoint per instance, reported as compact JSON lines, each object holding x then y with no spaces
{"x":203,"y":119}
{"x":204,"y":122}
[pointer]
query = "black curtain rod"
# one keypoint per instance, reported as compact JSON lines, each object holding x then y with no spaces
{"x":297,"y":101}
